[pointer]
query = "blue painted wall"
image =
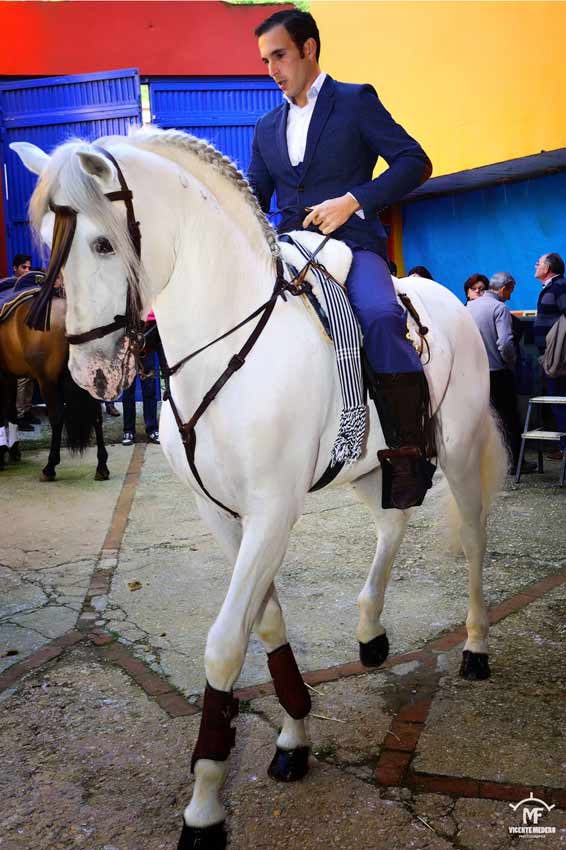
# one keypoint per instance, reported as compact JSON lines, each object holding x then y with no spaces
{"x":500,"y":228}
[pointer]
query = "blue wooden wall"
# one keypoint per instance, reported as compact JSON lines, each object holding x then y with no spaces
{"x":500,"y":228}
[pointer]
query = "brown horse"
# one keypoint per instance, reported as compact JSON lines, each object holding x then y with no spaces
{"x":43,"y":355}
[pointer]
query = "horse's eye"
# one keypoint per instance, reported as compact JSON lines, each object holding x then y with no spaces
{"x":101,"y":245}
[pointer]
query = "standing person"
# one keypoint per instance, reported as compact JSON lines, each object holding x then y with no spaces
{"x":475,"y":286}
{"x":317,"y":152}
{"x":496,"y":328}
{"x":551,"y":304}
{"x":149,"y":395}
{"x":420,"y":271}
{"x":21,"y":265}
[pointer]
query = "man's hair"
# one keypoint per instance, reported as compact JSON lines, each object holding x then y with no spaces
{"x":555,"y":263}
{"x":300,"y":26}
{"x":19,"y":259}
{"x":473,"y":279}
{"x":422,"y":271}
{"x":499,"y":280}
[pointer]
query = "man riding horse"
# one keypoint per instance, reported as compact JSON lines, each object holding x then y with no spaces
{"x":317,"y":152}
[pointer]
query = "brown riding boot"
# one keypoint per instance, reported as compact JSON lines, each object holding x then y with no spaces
{"x":403,"y":404}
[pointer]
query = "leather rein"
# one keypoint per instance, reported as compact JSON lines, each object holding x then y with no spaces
{"x":133,"y":325}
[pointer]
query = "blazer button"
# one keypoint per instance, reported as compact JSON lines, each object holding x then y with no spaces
{"x":301,"y":188}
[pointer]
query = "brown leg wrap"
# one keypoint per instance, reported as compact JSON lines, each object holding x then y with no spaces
{"x":216,"y":736}
{"x":289,"y":686}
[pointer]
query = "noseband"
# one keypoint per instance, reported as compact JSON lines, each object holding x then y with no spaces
{"x":63,"y":233}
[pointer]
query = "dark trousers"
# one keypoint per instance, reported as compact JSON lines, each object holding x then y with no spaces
{"x":503,"y":397}
{"x":382,"y":319}
{"x":557,"y":386}
{"x":149,"y":397}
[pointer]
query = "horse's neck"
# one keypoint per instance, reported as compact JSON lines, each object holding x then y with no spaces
{"x":225,"y":189}
{"x":218,"y":279}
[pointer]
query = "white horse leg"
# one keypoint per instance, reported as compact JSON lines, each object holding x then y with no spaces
{"x":390,"y":527}
{"x":263,"y":545}
{"x":462,"y":470}
{"x":205,"y":811}
{"x":290,"y":762}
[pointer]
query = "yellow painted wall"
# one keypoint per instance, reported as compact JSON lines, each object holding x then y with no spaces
{"x":474,"y":82}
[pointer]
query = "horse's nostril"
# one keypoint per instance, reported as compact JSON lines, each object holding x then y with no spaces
{"x":100,"y":383}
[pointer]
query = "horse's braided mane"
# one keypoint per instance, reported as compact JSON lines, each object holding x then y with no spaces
{"x":223,"y":165}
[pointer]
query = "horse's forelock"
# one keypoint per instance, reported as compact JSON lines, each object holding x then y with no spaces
{"x":64,"y":181}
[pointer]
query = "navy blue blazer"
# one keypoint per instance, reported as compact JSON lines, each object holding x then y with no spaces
{"x":551,"y":305}
{"x":349,"y":129}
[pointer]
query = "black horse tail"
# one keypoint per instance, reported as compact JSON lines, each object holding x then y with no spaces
{"x":81,"y":414}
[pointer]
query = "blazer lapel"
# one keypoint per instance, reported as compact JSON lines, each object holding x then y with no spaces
{"x":323,"y":108}
{"x":281,"y":133}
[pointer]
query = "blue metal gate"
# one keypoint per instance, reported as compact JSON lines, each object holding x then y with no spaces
{"x":49,"y":111}
{"x":222,"y":110}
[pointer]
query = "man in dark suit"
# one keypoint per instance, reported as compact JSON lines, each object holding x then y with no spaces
{"x":317,"y":152}
{"x":551,"y":304}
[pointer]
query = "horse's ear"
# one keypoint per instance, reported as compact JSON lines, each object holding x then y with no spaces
{"x":98,"y":167}
{"x":34,"y":159}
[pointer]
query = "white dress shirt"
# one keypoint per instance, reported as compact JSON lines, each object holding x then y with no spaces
{"x":298,"y":121}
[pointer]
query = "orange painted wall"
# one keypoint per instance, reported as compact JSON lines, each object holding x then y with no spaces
{"x":474,"y":82}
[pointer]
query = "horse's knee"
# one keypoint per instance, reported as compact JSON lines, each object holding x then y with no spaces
{"x":271,"y":627}
{"x":223,"y":660}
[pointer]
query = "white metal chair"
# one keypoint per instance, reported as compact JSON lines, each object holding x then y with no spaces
{"x":540,"y":435}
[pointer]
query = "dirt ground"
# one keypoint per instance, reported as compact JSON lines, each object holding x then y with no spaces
{"x":101,"y":684}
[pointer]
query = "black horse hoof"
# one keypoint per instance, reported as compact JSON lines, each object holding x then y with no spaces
{"x":474,"y":666}
{"x":289,"y":765}
{"x":102,"y":474}
{"x":203,"y":837}
{"x":374,"y":652}
{"x":47,"y":475}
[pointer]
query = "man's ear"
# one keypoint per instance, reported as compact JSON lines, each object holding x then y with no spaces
{"x":34,"y":159}
{"x":310,"y":47}
{"x":97,"y":166}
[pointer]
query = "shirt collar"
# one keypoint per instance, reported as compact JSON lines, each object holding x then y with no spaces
{"x":312,"y":93}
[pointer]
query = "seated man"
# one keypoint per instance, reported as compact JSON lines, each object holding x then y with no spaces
{"x":317,"y":152}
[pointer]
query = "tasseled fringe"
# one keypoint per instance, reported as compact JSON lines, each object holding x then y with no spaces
{"x":349,"y":443}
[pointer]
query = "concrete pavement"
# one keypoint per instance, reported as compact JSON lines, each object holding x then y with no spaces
{"x":109,"y":588}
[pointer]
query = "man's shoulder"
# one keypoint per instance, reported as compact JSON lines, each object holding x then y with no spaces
{"x":353,"y":90}
{"x":268,"y":120}
{"x":484,"y":305}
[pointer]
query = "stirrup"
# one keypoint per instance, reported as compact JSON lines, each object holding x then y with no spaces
{"x":407,"y":475}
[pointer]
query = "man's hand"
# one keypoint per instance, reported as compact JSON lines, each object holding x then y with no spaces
{"x":331,"y":214}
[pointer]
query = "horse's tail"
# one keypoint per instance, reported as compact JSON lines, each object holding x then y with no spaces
{"x":494,"y":461}
{"x":81,"y":413}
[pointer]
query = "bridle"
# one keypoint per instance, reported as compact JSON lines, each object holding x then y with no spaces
{"x":63,"y":233}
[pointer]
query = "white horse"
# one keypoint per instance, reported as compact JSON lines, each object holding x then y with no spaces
{"x":207,"y":261}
